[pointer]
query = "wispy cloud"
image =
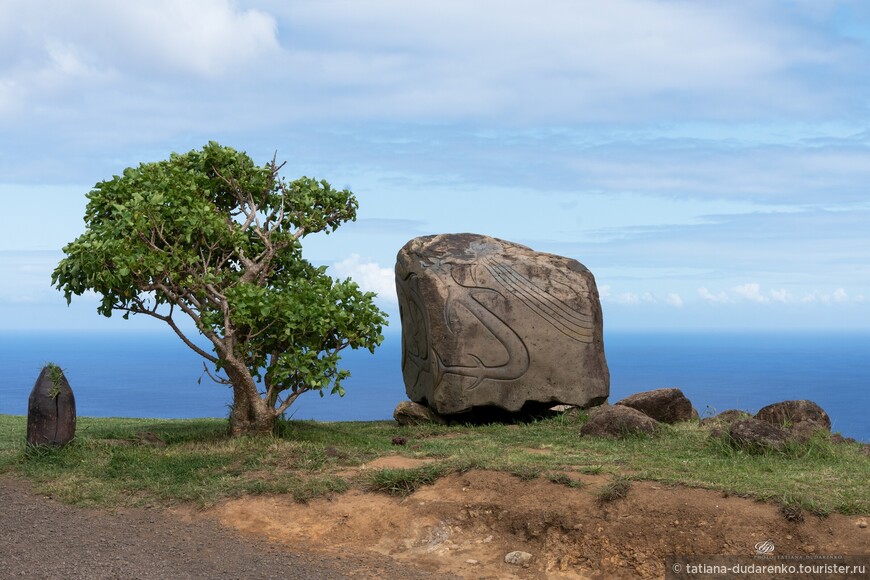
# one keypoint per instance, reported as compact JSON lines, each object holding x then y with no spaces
{"x":719,"y":298}
{"x":638,"y":298}
{"x":587,"y":60}
{"x":755,"y":293}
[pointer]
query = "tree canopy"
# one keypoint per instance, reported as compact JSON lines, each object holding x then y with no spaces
{"x":213,"y":237}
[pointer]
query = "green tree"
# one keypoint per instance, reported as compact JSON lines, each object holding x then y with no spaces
{"x":211,"y":236}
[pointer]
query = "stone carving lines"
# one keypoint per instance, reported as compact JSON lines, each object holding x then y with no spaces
{"x":573,"y":324}
{"x":518,"y":354}
{"x":415,"y":347}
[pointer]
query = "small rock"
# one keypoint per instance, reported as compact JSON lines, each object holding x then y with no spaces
{"x":664,"y":405}
{"x":410,"y":413}
{"x":619,"y":421}
{"x":397,"y":440}
{"x":472,"y":562}
{"x":753,"y":434}
{"x":726,"y":417}
{"x":862,"y":524}
{"x":518,"y":558}
{"x":149,"y":438}
{"x":789,"y":413}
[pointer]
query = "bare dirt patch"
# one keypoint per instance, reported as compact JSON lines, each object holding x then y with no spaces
{"x":395,"y":462}
{"x":464,"y":525}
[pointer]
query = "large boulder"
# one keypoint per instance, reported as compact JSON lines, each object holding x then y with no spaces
{"x":790,"y":413}
{"x":490,"y":323}
{"x":617,"y":421}
{"x":664,"y":405}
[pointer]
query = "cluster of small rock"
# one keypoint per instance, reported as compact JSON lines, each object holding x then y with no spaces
{"x":641,"y":413}
{"x":771,"y":428}
{"x":644,"y":414}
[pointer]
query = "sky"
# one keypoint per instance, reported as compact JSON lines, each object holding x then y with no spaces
{"x":708,"y":161}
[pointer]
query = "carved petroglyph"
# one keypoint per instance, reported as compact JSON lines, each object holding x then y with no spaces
{"x":517,"y":353}
{"x":490,"y":323}
{"x":415,"y":342}
{"x":572,"y":323}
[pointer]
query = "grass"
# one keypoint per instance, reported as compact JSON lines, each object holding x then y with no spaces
{"x":107,"y":465}
{"x":402,"y":482}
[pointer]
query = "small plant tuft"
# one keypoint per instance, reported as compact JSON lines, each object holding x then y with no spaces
{"x":616,"y":489}
{"x":403,"y":482}
{"x":525,"y":472}
{"x":55,"y":375}
{"x":564,"y":479}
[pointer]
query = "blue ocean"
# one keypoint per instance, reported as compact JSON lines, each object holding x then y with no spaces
{"x":155,"y":375}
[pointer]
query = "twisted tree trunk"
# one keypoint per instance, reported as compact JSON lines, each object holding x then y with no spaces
{"x":250,"y":414}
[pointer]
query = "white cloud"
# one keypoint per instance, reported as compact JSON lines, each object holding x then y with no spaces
{"x":674,"y":300}
{"x":370,"y":277}
{"x":721,"y":297}
{"x":751,"y":291}
{"x":560,"y":60}
{"x":637,"y":298}
{"x":781,"y":295}
{"x":837,"y":296}
{"x":202,"y":37}
{"x":67,"y":48}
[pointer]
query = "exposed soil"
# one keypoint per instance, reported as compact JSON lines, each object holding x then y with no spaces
{"x":465,"y":524}
{"x":41,"y":538}
{"x":461,"y":526}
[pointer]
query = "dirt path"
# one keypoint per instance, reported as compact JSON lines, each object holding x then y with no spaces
{"x":41,"y":538}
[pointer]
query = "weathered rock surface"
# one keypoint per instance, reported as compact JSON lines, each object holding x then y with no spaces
{"x":490,"y":323}
{"x":755,"y":434}
{"x":51,"y":409}
{"x":518,"y":558}
{"x":663,"y":405}
{"x":803,"y":431}
{"x":726,"y":417}
{"x":619,"y":421}
{"x":790,"y":413}
{"x":410,"y":413}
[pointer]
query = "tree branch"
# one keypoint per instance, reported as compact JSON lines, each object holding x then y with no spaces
{"x":290,"y":400}
{"x":218,"y":380}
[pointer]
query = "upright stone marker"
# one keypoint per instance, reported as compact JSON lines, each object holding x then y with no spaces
{"x":51,"y":409}
{"x":490,"y":323}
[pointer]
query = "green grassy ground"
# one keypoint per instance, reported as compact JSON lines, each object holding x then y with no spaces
{"x":108,"y":465}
